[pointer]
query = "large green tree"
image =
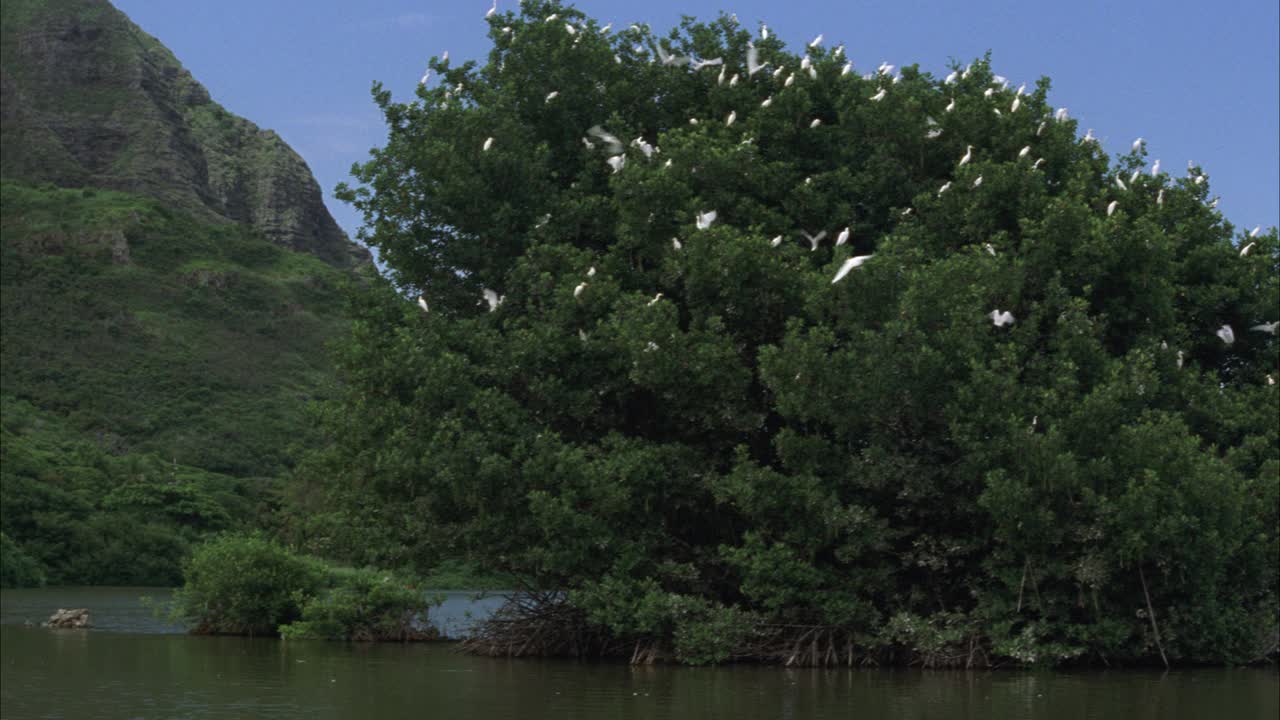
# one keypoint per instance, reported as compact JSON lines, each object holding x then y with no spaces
{"x":710,"y":449}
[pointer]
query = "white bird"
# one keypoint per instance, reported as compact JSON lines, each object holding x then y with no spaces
{"x":1040,"y":128}
{"x":1137,"y":144}
{"x":1120,"y":183}
{"x":1022,"y":89}
{"x":978,"y":182}
{"x":606,"y":28}
{"x":444,"y":56}
{"x":1199,"y":180}
{"x":1017,"y":103}
{"x":1271,"y":327}
{"x":945,"y":187}
{"x":1244,"y":252}
{"x":767,"y":102}
{"x":1036,"y":165}
{"x":733,"y":80}
{"x":1179,"y":359}
{"x":753,"y":61}
{"x":1088,"y":137}
{"x":591,"y":271}
{"x":720,"y":77}
{"x":991,"y":250}
{"x":814,"y":239}
{"x":426,"y":77}
{"x":843,"y":237}
{"x":848,"y":68}
{"x":552,"y":17}
{"x":988,"y":92}
{"x":570,"y":29}
{"x":651,"y":346}
{"x":1271,"y":380}
{"x":790,"y":79}
{"x":1024,"y":152}
{"x":1155,"y":168}
{"x":1112,"y":207}
{"x":422,"y":303}
{"x":1000,"y":319}
{"x":885,"y":68}
{"x":906,"y":212}
{"x":1060,"y":114}
{"x":816,"y":122}
{"x":705,"y":219}
{"x":669,"y":60}
{"x":806,"y":63}
{"x":1254,"y":232}
{"x":838,"y":51}
{"x":968,"y":155}
{"x":493,"y":298}
{"x":675,"y":243}
{"x":878,"y":96}
{"x":582,"y":335}
{"x":1225,"y":334}
{"x":849,"y":265}
{"x":778,"y":71}
{"x":552,"y":96}
{"x":488,"y":144}
{"x":733,"y":115}
{"x":813,"y":74}
{"x":577,"y":291}
{"x":1160,"y":197}
{"x":699,"y":64}
{"x":816,"y":41}
{"x":655,"y":299}
{"x":493,"y":10}
{"x":1133,"y":177}
{"x":617,"y":162}
{"x":776,"y":241}
{"x":764,"y":32}
{"x":951,"y":105}
{"x":951,"y":78}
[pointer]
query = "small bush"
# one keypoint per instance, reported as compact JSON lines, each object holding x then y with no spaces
{"x":366,"y":606}
{"x":18,"y":569}
{"x":245,"y":585}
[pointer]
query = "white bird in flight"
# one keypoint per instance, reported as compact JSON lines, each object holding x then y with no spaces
{"x":753,"y":61}
{"x":816,"y":41}
{"x":849,"y":265}
{"x":1271,"y":327}
{"x":1226,"y":335}
{"x":1000,"y":319}
{"x":705,"y":219}
{"x":814,"y":239}
{"x":1254,"y":232}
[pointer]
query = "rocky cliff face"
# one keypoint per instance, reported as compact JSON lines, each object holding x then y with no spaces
{"x":87,"y":99}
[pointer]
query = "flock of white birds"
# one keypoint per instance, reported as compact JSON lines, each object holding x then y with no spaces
{"x":616,"y":157}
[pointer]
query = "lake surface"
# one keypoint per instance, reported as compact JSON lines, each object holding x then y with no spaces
{"x":133,"y":666}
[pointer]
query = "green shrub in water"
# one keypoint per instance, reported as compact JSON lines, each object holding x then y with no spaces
{"x":366,"y":606}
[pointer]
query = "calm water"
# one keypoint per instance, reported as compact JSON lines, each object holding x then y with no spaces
{"x":132,"y":666}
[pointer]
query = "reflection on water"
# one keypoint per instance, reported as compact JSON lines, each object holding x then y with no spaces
{"x":138,"y":671}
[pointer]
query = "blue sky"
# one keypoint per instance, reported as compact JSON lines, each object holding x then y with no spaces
{"x":1199,"y":80}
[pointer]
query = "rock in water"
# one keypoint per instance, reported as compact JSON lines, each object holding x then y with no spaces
{"x":78,"y":618}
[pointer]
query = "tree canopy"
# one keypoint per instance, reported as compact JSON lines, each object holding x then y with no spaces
{"x":694,"y":442}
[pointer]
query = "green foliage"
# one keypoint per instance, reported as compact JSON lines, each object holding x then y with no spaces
{"x":245,"y":585}
{"x":365,"y":606}
{"x":17,"y":569}
{"x":762,"y":446}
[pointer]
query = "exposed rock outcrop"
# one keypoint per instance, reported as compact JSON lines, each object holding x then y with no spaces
{"x":87,"y":99}
{"x":77,"y":618}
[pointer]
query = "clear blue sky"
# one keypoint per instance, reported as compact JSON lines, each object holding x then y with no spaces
{"x":1199,"y":80}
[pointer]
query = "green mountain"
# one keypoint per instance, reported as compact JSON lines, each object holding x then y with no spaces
{"x":169,"y":277}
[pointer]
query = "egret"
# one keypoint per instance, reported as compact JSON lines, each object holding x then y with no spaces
{"x":978,"y":182}
{"x":816,"y":41}
{"x":1155,"y":168}
{"x":1120,"y":183}
{"x":951,"y":78}
{"x":1088,"y":137}
{"x":1244,"y":252}
{"x":651,"y":346}
{"x":1112,"y":207}
{"x":1060,"y":114}
{"x":676,"y":244}
{"x":878,"y":96}
{"x":422,"y":303}
{"x":611,"y":141}
{"x":1036,"y":165}
{"x":813,"y":74}
{"x":570,"y":29}
{"x":848,"y":68}
{"x":552,"y":96}
{"x":699,"y":64}
{"x":885,"y":68}
{"x":1040,"y":128}
{"x":1024,"y":152}
{"x":617,"y":162}
{"x":945,"y":187}
{"x":776,"y":241}
{"x":577,"y":291}
{"x":669,"y":60}
{"x":814,"y":239}
{"x":604,"y":30}
{"x":778,"y":71}
{"x":848,"y":265}
{"x":968,"y":155}
{"x":1199,"y":180}
{"x":1022,"y":89}
{"x":951,"y":105}
{"x":790,"y":79}
{"x":1137,"y":145}
{"x":988,"y":92}
{"x":753,"y":61}
{"x":426,"y":77}
{"x":1225,"y":334}
{"x":493,"y":298}
{"x":488,"y":144}
{"x":1133,"y":177}
{"x":1254,"y":232}
{"x":1271,"y":380}
{"x":816,"y":122}
{"x":733,"y":115}
{"x":591,"y":271}
{"x":906,"y":212}
{"x":991,"y":250}
{"x":1017,"y":103}
{"x":582,"y":335}
{"x":1179,"y":359}
{"x":843,"y":237}
{"x":720,"y":77}
{"x":1270,"y":327}
{"x":1000,"y":319}
{"x":444,"y":56}
{"x":767,"y":102}
{"x":733,"y":81}
{"x":764,"y":32}
{"x":552,"y":17}
{"x":705,"y":219}
{"x":492,"y":11}
{"x":806,"y":63}
{"x":655,"y":299}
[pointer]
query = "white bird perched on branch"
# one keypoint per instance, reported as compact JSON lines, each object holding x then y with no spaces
{"x":1155,"y":168}
{"x":968,"y":155}
{"x":591,"y":271}
{"x":422,"y":303}
{"x":978,"y":182}
{"x":577,"y":291}
{"x":676,"y":244}
{"x":814,"y":239}
{"x":1036,"y":165}
{"x":816,"y":122}
{"x":1120,"y":183}
{"x":655,"y":299}
{"x":1024,"y":152}
{"x":849,"y":265}
{"x":843,"y":237}
{"x":991,"y":249}
{"x":733,"y":115}
{"x":764,"y":32}
{"x":617,"y":162}
{"x":848,"y":68}
{"x":945,"y":187}
{"x":816,"y":41}
{"x":790,"y":79}
{"x":1137,"y":144}
{"x":776,"y":241}
{"x":951,"y":105}
{"x":1000,"y":319}
{"x":1160,"y":197}
{"x":1244,"y":251}
{"x":1226,"y":335}
{"x":552,"y":95}
{"x":951,"y":78}
{"x":1112,"y":207}
{"x":1271,"y":327}
{"x":1017,"y":103}
{"x":493,"y":10}
{"x":767,"y":102}
{"x":488,"y":143}
{"x":493,"y":298}
{"x":1060,"y":114}
{"x":878,"y":96}
{"x":705,"y":219}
